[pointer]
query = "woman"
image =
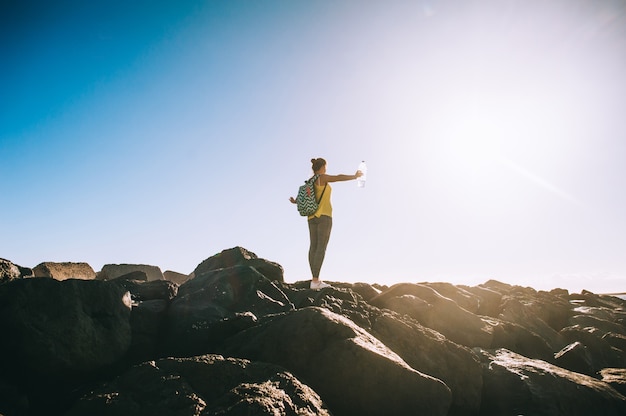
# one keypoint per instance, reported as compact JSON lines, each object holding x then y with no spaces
{"x":321,"y":222}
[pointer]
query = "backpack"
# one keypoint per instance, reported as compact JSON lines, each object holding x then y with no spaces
{"x":306,"y":200}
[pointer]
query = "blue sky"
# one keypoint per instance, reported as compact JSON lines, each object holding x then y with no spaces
{"x":164,"y":132}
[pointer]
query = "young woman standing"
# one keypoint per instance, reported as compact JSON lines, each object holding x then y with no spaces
{"x":321,"y":222}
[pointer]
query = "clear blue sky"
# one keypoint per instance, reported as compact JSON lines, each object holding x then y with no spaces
{"x":164,"y":132}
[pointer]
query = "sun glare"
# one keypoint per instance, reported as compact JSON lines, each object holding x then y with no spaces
{"x":475,"y":139}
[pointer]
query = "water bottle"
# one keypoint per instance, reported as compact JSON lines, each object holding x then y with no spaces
{"x":360,"y":181}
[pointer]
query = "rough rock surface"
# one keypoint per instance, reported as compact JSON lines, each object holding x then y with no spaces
{"x":219,"y":303}
{"x":204,"y":385}
{"x":175,"y":277}
{"x":68,"y":327}
{"x":353,"y":372}
{"x":246,"y":342}
{"x":63,"y":271}
{"x":8,"y":271}
{"x":431,"y":353}
{"x":239,"y":256}
{"x":616,"y":377}
{"x":142,"y":290}
{"x":112,"y":271}
{"x":56,"y":335}
{"x":515,"y":384}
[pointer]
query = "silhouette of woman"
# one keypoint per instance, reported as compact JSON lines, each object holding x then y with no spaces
{"x":321,"y":222}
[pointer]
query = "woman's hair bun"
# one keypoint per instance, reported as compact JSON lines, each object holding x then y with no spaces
{"x":317,"y":164}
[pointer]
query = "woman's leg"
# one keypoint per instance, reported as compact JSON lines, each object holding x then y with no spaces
{"x":319,"y":231}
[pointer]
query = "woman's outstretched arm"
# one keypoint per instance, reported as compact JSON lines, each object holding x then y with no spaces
{"x":339,"y":178}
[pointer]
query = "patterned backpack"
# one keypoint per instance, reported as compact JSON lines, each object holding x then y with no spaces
{"x":306,"y":201}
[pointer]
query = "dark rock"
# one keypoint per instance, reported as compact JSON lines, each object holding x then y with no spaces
{"x":462,"y":297}
{"x":602,"y":319}
{"x":8,"y":271}
{"x":146,"y":320}
{"x":52,"y":328}
{"x":437,"y":312}
{"x":217,"y":304}
{"x":563,"y":293}
{"x":616,"y":378}
{"x":353,"y":372}
{"x":576,"y":357}
{"x":205,"y":385}
{"x":552,"y":307}
{"x":601,"y":353}
{"x":58,"y":335}
{"x":111,"y":271}
{"x":175,"y":277}
{"x":239,"y":256}
{"x":422,"y":348}
{"x":489,"y":301}
{"x":12,"y":400}
{"x":64,"y":271}
{"x":365,"y":349}
{"x":617,"y":341}
{"x":528,"y":315}
{"x":517,"y":338}
{"x":138,"y":275}
{"x":366,"y":291}
{"x":431,"y":353}
{"x":600,"y":301}
{"x":409,"y":305}
{"x":25,"y":271}
{"x":514,"y":385}
{"x":142,"y":290}
{"x":528,"y":322}
{"x":496,"y":286}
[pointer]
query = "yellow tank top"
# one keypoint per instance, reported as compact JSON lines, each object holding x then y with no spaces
{"x":324,"y":205}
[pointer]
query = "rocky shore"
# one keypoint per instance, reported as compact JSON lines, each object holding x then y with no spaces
{"x":233,"y":338}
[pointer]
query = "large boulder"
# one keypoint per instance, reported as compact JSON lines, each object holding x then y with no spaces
{"x":65,"y":270}
{"x":617,"y":341}
{"x":146,"y":322}
{"x":205,"y":385}
{"x":342,"y":301}
{"x":489,"y":301}
{"x":353,"y":372}
{"x":13,"y":401}
{"x":517,"y":338}
{"x":431,"y":353}
{"x":142,"y":290}
{"x":151,"y":299}
{"x":437,"y":312}
{"x":58,"y":335}
{"x":111,"y":271}
{"x":527,"y":313}
{"x":465,"y":299}
{"x":600,"y":301}
{"x":603,"y":320}
{"x":600,"y":352}
{"x":175,"y":277}
{"x":56,"y":328}
{"x":217,"y":304}
{"x":422,"y":348}
{"x":514,"y":385}
{"x":239,"y":256}
{"x":576,"y":357}
{"x":8,"y":271}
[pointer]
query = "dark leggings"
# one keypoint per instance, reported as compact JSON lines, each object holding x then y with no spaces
{"x":319,"y":230}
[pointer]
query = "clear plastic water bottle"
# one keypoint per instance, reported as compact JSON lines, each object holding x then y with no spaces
{"x":360,"y":181}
